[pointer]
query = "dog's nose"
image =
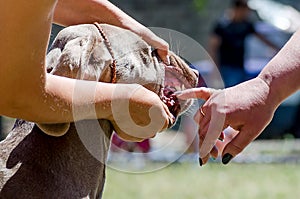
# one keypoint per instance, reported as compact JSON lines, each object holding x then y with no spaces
{"x":196,"y":72}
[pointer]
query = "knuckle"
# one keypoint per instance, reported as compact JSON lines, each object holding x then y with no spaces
{"x":235,"y":148}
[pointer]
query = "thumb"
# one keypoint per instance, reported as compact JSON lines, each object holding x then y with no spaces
{"x":164,"y":55}
{"x":237,"y":145}
{"x":199,"y":93}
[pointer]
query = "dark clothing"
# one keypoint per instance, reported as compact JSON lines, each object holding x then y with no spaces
{"x":233,"y":35}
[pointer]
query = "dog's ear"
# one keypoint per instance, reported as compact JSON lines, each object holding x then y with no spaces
{"x":69,"y":56}
{"x":55,"y":130}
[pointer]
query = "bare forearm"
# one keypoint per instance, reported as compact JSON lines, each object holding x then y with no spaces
{"x":63,"y":100}
{"x":70,"y":99}
{"x":283,"y":71}
{"x":69,"y":12}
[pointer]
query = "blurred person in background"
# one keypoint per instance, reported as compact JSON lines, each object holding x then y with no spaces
{"x":227,"y":42}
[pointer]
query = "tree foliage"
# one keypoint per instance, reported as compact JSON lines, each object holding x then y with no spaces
{"x":199,"y":4}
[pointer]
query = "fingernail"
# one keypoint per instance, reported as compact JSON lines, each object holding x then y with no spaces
{"x":222,"y":137}
{"x":226,"y":158}
{"x":200,"y":162}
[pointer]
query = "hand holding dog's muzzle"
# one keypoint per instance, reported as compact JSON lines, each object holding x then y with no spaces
{"x":139,"y":114}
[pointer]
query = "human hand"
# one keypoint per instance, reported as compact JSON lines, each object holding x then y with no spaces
{"x":138,"y":113}
{"x":162,"y":48}
{"x":156,"y":42}
{"x":246,"y":108}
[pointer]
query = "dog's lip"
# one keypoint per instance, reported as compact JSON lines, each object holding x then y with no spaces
{"x":174,"y":81}
{"x":175,"y":73}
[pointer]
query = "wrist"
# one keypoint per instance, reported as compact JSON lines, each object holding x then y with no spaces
{"x":274,"y":97}
{"x":111,"y":96}
{"x":282,"y":73}
{"x":104,"y":96}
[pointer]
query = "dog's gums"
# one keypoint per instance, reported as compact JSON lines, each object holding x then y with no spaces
{"x":170,"y":99}
{"x":175,"y":80}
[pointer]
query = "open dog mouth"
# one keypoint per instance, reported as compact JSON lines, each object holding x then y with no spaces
{"x":170,"y":99}
{"x":174,"y":81}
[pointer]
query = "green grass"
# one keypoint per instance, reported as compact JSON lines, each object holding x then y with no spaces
{"x":213,"y":181}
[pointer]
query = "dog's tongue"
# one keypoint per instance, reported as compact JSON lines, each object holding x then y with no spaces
{"x":170,"y":99}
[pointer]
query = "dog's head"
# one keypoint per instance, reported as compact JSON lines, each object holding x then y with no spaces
{"x":82,"y":52}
